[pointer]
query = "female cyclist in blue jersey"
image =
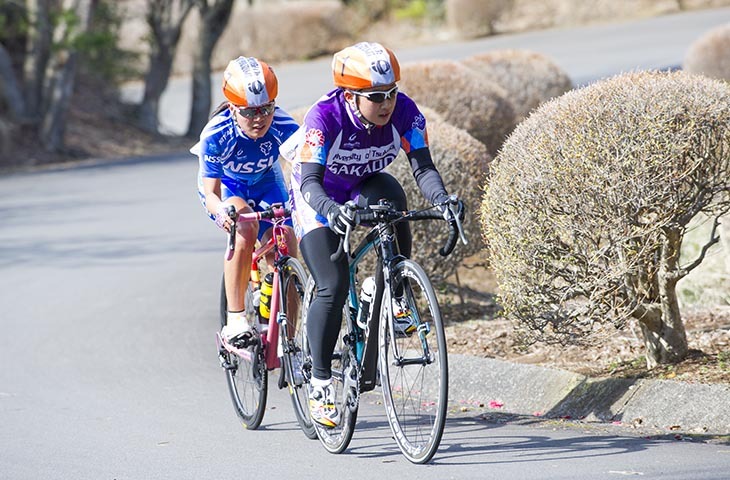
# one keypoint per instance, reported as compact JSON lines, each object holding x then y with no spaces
{"x":348,"y":137}
{"x":238,"y":156}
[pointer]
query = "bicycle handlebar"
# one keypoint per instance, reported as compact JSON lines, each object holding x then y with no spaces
{"x":385,"y":213}
{"x":274,"y":211}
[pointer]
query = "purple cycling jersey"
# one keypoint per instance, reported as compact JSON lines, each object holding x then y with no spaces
{"x":333,"y":136}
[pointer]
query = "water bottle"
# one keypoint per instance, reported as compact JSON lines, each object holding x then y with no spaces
{"x":265,"y":298}
{"x":366,"y":296}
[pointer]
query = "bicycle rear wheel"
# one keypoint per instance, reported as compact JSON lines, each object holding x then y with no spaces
{"x":294,"y":280}
{"x":246,"y":375}
{"x":414,"y":368}
{"x":344,"y":381}
{"x":223,"y":302}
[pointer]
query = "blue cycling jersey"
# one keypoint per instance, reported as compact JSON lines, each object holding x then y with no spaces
{"x":247,"y":168}
{"x":225,"y":152}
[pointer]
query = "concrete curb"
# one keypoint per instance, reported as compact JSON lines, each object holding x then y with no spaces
{"x":553,"y":393}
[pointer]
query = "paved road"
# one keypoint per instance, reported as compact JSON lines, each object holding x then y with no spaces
{"x":108,"y":289}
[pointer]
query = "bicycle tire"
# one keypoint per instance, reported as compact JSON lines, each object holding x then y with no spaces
{"x":247,"y":379}
{"x":294,"y":280}
{"x":414,"y":368}
{"x":337,"y":439}
{"x":223,"y":302}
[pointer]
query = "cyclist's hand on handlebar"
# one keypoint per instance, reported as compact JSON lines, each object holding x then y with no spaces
{"x":342,"y":217}
{"x":451,"y":206}
{"x":222,"y":216}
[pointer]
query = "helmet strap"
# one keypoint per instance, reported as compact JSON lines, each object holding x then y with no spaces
{"x":365,"y":122}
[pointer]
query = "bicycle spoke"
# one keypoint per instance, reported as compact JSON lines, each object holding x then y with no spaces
{"x":292,"y":338}
{"x":247,"y":379}
{"x":415,"y":367}
{"x":336,"y":440}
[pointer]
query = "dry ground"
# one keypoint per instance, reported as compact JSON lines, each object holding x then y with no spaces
{"x":96,"y":129}
{"x":474,"y":327}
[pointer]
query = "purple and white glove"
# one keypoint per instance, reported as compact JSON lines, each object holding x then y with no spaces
{"x":222,"y":219}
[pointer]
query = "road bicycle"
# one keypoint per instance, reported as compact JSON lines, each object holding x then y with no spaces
{"x":411,"y":369}
{"x":247,"y":361}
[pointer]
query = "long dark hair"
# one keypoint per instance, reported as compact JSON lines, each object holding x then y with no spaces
{"x":218,"y":109}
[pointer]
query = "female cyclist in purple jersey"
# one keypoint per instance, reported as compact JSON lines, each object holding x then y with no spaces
{"x":348,"y":137}
{"x":238,"y":152}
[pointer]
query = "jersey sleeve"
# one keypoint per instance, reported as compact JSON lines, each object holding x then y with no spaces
{"x":315,"y":146}
{"x":411,"y":124}
{"x":285,"y":123}
{"x":213,"y":147}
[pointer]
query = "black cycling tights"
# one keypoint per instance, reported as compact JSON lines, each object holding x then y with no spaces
{"x":332,"y":279}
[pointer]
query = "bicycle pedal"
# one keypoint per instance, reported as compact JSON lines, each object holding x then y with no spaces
{"x":245,"y":340}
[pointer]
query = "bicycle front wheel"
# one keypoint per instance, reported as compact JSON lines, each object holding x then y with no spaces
{"x":344,"y":381}
{"x":294,"y":281}
{"x":246,"y":374}
{"x":414,"y":367}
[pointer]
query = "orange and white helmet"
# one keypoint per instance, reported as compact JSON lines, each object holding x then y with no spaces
{"x":248,"y":82}
{"x":365,"y":65}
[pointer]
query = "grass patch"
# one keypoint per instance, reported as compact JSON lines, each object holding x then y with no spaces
{"x":709,"y":283}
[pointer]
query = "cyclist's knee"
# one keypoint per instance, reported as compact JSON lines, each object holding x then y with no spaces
{"x":332,"y":292}
{"x":247,"y":232}
{"x":291,"y":241}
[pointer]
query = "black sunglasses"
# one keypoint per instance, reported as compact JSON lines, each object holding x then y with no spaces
{"x":378,"y":97}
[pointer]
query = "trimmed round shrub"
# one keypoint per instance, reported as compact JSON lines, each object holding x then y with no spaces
{"x":590,"y":198}
{"x":525,"y":15}
{"x":710,"y":54}
{"x":463,"y":97}
{"x":474,"y":18}
{"x":463,"y":163}
{"x":529,"y":78}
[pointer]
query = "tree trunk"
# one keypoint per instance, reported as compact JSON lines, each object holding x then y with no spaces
{"x":664,"y":334}
{"x":214,"y":20}
{"x":155,"y":83}
{"x":9,"y":88}
{"x":59,"y":99}
{"x":165,"y":18}
{"x":37,"y":55}
{"x":63,"y":76}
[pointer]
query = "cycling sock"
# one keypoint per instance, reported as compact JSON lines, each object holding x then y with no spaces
{"x":318,"y":382}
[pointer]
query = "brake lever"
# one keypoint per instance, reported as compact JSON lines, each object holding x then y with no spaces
{"x":454,"y":201}
{"x":460,"y":229}
{"x":231,"y":211}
